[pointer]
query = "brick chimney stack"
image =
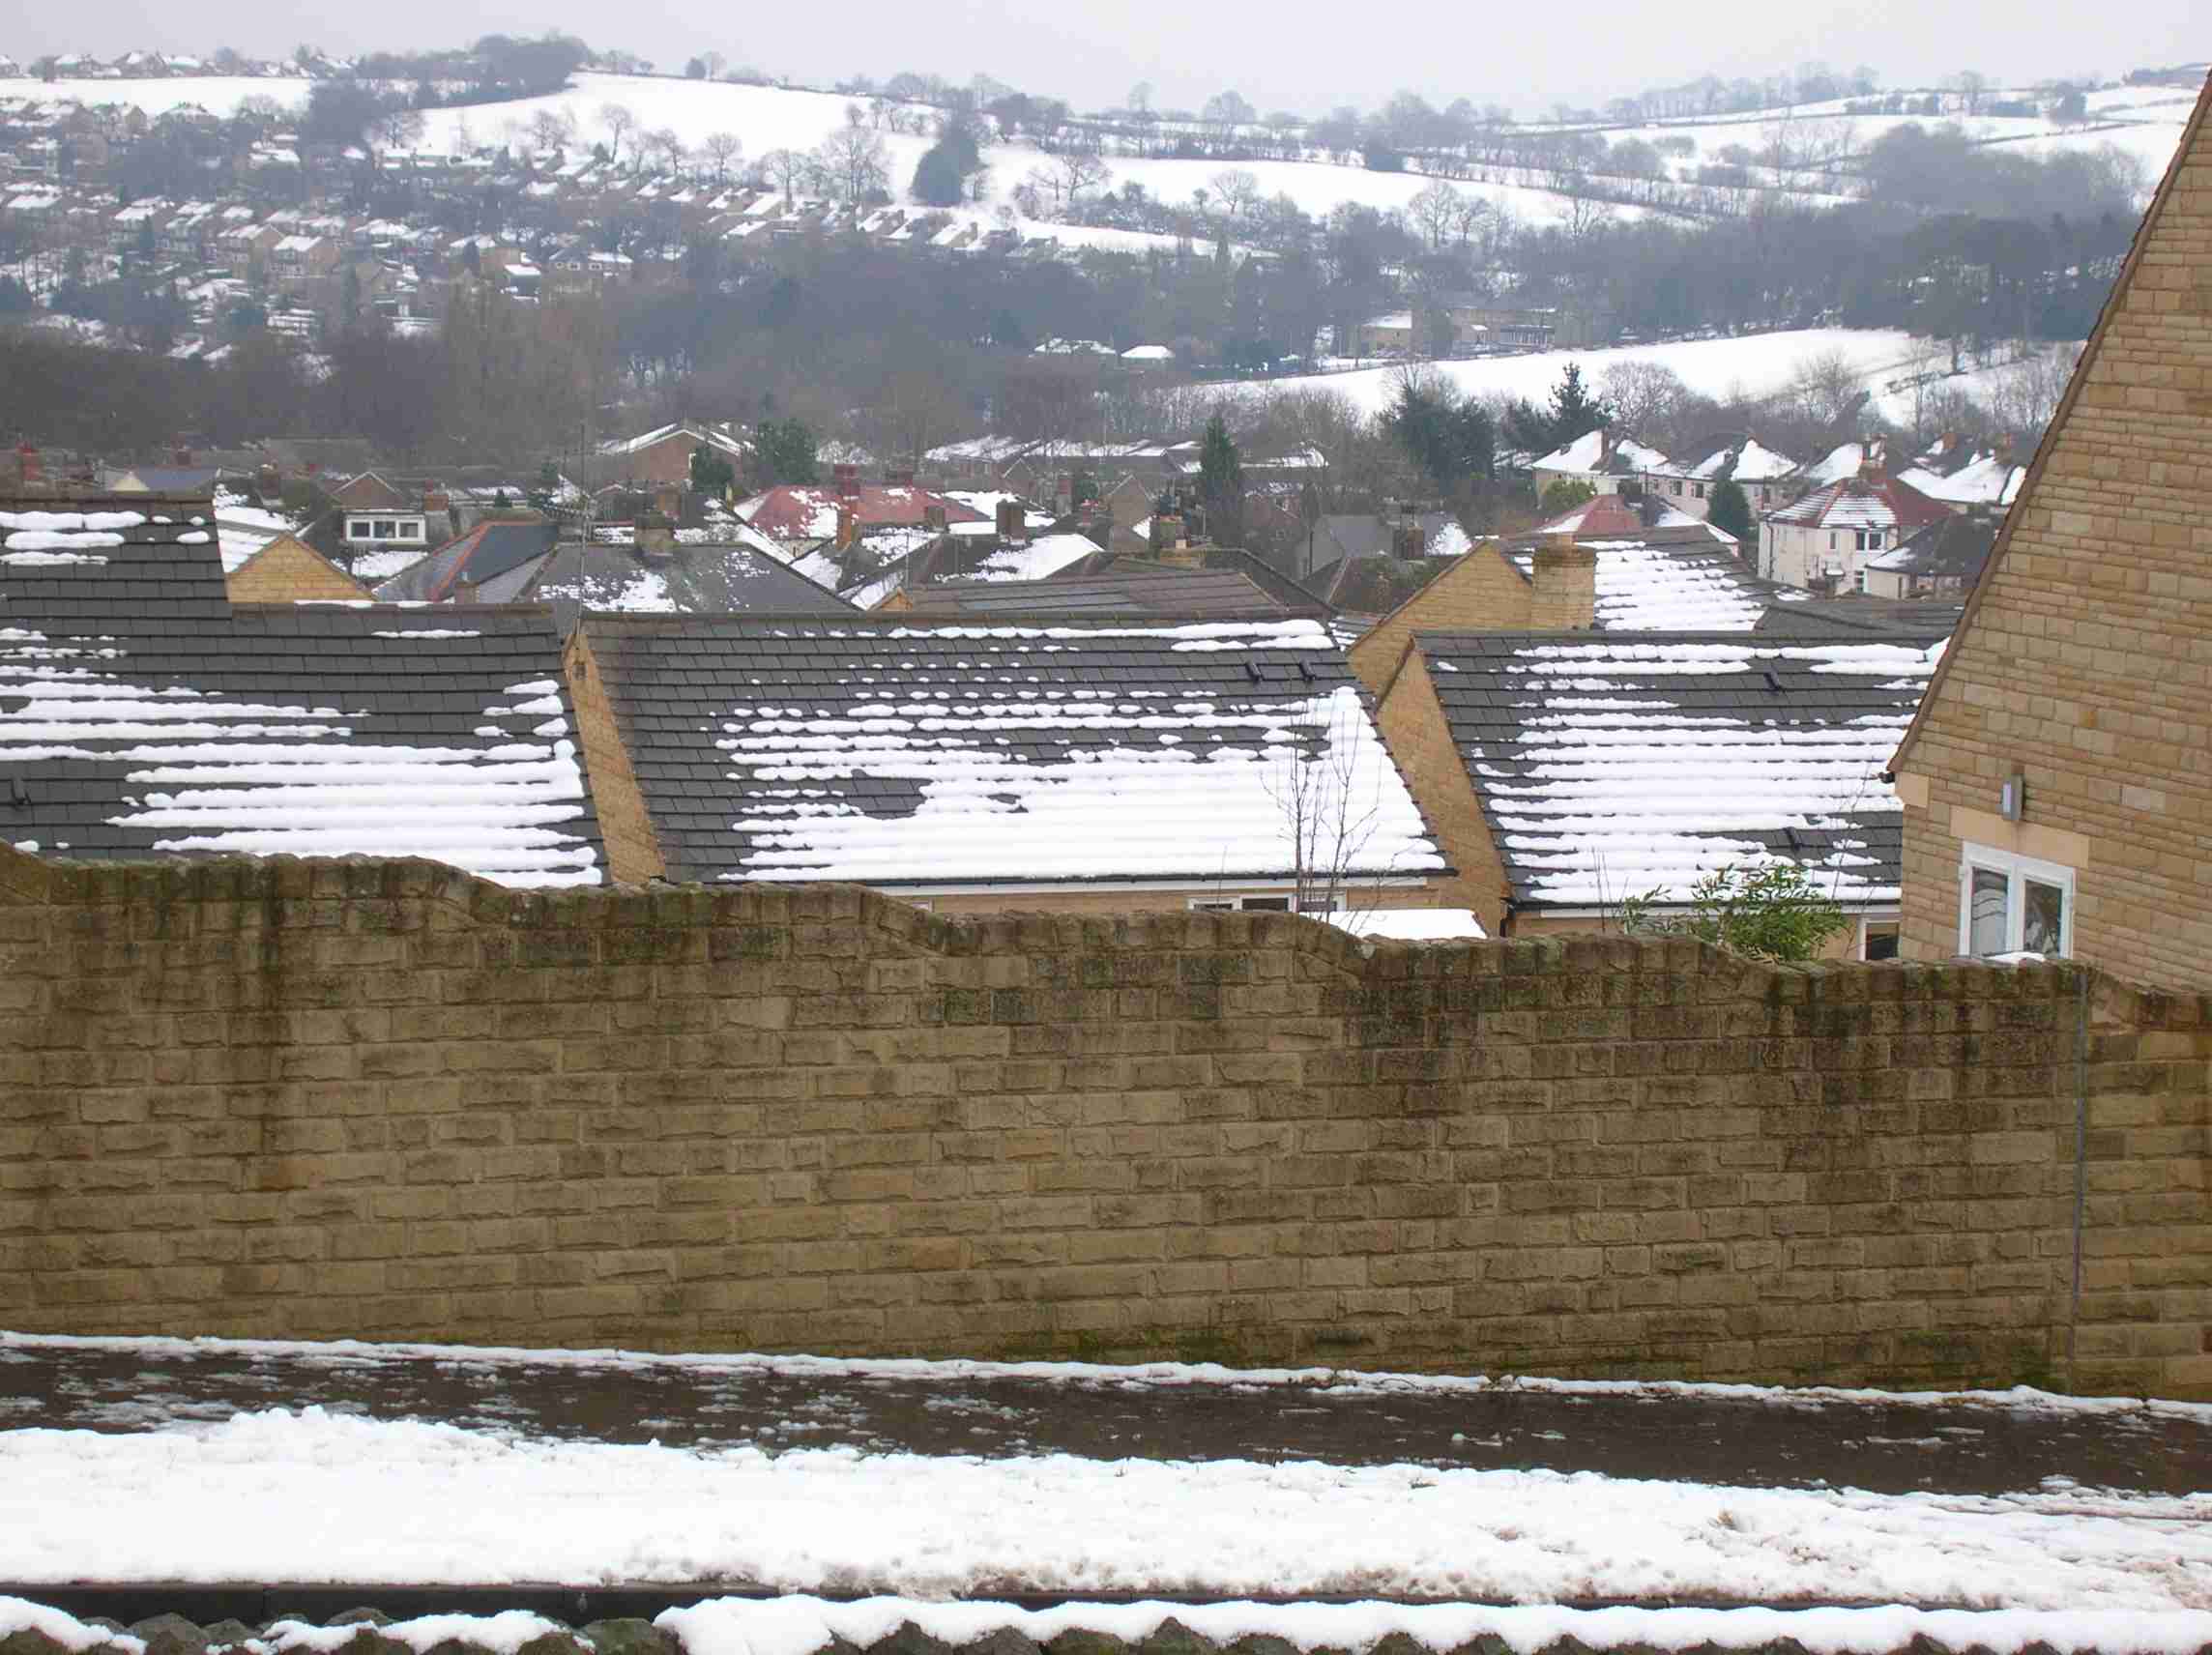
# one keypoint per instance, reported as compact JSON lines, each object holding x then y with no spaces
{"x":1012,"y":523}
{"x":845,"y":479}
{"x":1563,"y":582}
{"x":33,"y":467}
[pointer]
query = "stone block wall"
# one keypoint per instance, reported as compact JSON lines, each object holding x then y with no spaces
{"x":383,"y":1099}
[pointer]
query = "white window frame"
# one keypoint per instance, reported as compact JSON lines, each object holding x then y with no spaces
{"x":1242,"y":904}
{"x":358,"y":527}
{"x":2016,"y":869}
{"x":1868,"y":922}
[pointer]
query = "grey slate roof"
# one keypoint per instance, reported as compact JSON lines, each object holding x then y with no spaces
{"x":1293,"y":597}
{"x":691,"y":578}
{"x":485,"y":552}
{"x":1953,"y":548}
{"x":892,"y":751}
{"x":1614,"y":765}
{"x":1156,"y":592}
{"x":142,"y":713}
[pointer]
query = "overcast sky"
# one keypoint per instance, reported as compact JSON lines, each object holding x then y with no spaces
{"x":1305,"y":56}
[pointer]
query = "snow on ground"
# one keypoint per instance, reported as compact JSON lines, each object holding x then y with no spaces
{"x":1758,"y":364}
{"x":311,"y":1496}
{"x":804,"y":1625}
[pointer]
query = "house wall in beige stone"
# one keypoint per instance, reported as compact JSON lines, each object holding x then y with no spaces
{"x":383,"y":1099}
{"x":1412,"y":720}
{"x":625,"y":827}
{"x":1482,"y":593}
{"x":2085,"y":661}
{"x":288,"y":571}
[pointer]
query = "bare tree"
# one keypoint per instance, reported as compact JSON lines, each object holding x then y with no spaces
{"x":552,"y":130}
{"x":667,"y":143}
{"x":620,"y":123}
{"x":1237,"y":191}
{"x":855,"y":162}
{"x":1070,"y":175}
{"x":1973,"y":85}
{"x":1436,"y":211}
{"x":722,"y":148}
{"x":1643,"y":396}
{"x":715,"y":63}
{"x":786,"y":169}
{"x":397,"y":130}
{"x":1328,"y":786}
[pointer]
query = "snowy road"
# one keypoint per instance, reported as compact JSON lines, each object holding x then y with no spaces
{"x":1714,"y":1433}
{"x":159,"y":1462}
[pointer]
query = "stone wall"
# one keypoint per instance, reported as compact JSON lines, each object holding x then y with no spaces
{"x":384,"y":1099}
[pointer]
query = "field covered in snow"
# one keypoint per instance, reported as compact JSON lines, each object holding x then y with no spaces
{"x":1757,"y":365}
{"x":767,"y":118}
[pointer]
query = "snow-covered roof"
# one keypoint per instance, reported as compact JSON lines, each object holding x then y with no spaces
{"x":1637,"y":763}
{"x":710,"y":436}
{"x":890,"y":752}
{"x":1659,"y":587}
{"x":1594,"y":453}
{"x":1747,"y":460}
{"x":1986,"y":480}
{"x":140,"y":713}
{"x":1856,"y":501}
{"x":809,"y":511}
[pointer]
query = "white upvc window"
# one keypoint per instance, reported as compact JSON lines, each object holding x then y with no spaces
{"x":1240,"y":904}
{"x":2010,"y":904}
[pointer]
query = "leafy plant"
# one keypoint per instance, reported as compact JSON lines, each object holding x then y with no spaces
{"x":1766,"y":911}
{"x":1563,"y":495}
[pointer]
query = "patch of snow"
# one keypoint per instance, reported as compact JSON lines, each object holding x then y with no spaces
{"x":310,"y":1497}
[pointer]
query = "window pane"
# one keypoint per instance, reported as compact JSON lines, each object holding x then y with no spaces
{"x":1881,"y":940}
{"x":1268,"y":904}
{"x":2043,"y":915}
{"x":1985,"y":913}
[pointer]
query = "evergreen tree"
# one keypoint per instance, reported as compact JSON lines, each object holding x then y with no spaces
{"x":1452,"y":442}
{"x":1731,"y":511}
{"x":712,"y":472}
{"x":1575,"y":412}
{"x":1221,"y":485}
{"x":783,"y":451}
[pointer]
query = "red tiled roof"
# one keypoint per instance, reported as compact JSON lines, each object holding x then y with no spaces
{"x":799,"y":511}
{"x":1863,"y":502}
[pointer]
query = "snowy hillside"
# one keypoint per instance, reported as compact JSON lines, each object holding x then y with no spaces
{"x":2145,"y":122}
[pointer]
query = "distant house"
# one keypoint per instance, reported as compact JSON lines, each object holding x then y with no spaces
{"x":198,"y":726}
{"x":1822,"y":541}
{"x":663,"y":454}
{"x":1567,"y":772}
{"x":1988,"y":478}
{"x":847,"y":506}
{"x":1072,"y":768}
{"x":1601,"y":460}
{"x":377,"y":516}
{"x":490,"y":564}
{"x":1942,"y":559}
{"x":1767,"y":477}
{"x":2058,"y":798}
